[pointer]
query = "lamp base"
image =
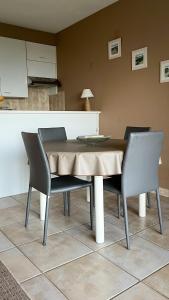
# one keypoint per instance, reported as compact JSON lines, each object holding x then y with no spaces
{"x":1,"y":98}
{"x":87,"y":105}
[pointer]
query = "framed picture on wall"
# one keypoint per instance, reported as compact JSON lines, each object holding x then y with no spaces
{"x":164,"y":71}
{"x":139,"y":59}
{"x":114,"y":48}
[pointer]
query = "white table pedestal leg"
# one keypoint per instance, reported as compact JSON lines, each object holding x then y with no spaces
{"x":88,"y":189}
{"x":142,"y":205}
{"x":42,"y":206}
{"x":88,"y":194}
{"x":99,"y":208}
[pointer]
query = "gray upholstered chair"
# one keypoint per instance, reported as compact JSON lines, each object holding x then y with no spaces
{"x":130,"y":129}
{"x":139,"y":171}
{"x":40,"y":178}
{"x":52,"y":134}
{"x":56,"y":134}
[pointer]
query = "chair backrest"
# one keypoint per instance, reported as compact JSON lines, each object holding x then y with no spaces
{"x":130,"y":129}
{"x":52,"y":134}
{"x":40,"y":177}
{"x":141,"y":161}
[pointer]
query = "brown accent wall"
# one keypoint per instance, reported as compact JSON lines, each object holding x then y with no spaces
{"x":124,"y":97}
{"x":31,"y":35}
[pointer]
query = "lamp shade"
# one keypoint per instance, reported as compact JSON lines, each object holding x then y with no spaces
{"x":87,"y":93}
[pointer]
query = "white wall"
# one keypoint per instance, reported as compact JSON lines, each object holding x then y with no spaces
{"x":14,"y":170}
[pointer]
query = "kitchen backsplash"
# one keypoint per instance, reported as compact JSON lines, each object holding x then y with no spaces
{"x":38,"y":99}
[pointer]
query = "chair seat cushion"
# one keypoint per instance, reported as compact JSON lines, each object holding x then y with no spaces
{"x":113,"y":184}
{"x":67,"y":183}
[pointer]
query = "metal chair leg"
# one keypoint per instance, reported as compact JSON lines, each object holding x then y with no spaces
{"x":68,"y":203}
{"x":46,"y":221}
{"x":126,"y":222}
{"x":65,"y":203}
{"x":28,"y":205}
{"x":159,"y":210}
{"x":148,"y":200}
{"x":119,"y":205}
{"x":91,"y":207}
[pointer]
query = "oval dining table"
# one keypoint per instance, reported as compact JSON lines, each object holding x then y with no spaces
{"x":96,"y":159}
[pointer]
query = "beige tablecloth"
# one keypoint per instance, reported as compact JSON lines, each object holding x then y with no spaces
{"x":76,"y":158}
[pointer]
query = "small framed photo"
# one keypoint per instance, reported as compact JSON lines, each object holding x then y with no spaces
{"x":139,"y":59}
{"x":114,"y":48}
{"x":164,"y":71}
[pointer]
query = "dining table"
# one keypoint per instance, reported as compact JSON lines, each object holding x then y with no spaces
{"x":83,"y":158}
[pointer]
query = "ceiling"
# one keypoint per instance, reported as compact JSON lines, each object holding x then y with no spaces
{"x":48,"y":15}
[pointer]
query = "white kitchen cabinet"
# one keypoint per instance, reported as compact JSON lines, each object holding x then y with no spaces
{"x":41,"y":60}
{"x":13,"y":70}
{"x":40,"y":52}
{"x":41,"y":69}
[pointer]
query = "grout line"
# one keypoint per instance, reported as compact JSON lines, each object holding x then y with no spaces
{"x":66,"y":263}
{"x":124,"y":270}
{"x":152,"y":288}
{"x":45,"y":275}
{"x":123,"y":292}
{"x":156,"y":271}
{"x":154,"y":243}
{"x":126,"y":290}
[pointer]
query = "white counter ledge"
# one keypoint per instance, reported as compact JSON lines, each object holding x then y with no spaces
{"x":14,"y":171}
{"x":47,"y":112}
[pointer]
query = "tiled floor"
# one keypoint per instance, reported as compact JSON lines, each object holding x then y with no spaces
{"x":72,"y":266}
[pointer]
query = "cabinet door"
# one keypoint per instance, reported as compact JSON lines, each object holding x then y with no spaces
{"x":39,"y":52}
{"x":41,"y":69}
{"x":13,"y":71}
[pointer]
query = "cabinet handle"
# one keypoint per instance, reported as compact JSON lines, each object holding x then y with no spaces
{"x":43,"y":57}
{"x":7,"y":92}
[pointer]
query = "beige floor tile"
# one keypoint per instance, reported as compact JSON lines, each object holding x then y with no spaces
{"x":140,"y":292}
{"x":5,"y":244}
{"x":141,"y":260}
{"x":40,"y":288}
{"x":77,"y":217}
{"x":18,"y":234}
{"x":83,"y":233}
{"x":133,"y":206}
{"x":22,"y":197}
{"x":110,"y":204}
{"x":60,"y":249}
{"x":55,"y":204}
{"x":91,"y":277}
{"x":7,"y":202}
{"x":21,"y":268}
{"x":159,"y":281}
{"x":164,"y":205}
{"x":152,"y":234}
{"x":14,"y":214}
{"x":79,"y":199}
{"x":136,"y":223}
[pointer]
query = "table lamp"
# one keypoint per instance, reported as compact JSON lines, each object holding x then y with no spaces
{"x":87,"y":93}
